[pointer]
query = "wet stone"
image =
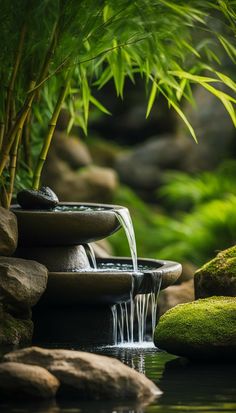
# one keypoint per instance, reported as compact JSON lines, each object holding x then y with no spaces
{"x":45,"y":198}
{"x":21,"y":381}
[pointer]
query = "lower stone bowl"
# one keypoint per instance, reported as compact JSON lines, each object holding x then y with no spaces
{"x":113,"y":282}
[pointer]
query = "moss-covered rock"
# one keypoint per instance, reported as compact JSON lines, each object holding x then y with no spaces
{"x":217,"y":277}
{"x":202,"y":329}
{"x":14,"y":331}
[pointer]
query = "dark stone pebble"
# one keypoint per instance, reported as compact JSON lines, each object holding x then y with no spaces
{"x":44,"y":198}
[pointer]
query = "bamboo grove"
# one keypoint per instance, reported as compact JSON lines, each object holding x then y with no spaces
{"x":55,"y":53}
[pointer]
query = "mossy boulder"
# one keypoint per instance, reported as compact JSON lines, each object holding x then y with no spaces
{"x":14,"y":331}
{"x":218,"y":276}
{"x":203,"y":329}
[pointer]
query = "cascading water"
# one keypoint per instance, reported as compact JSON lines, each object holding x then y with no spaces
{"x":125,"y":220}
{"x":124,"y":313}
{"x":130,"y":318}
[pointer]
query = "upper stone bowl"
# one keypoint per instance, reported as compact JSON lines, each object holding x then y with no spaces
{"x":71,"y":223}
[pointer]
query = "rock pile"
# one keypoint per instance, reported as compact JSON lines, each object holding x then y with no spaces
{"x":22,"y":282}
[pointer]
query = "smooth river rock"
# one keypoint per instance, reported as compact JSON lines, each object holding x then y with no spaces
{"x":89,"y":376}
{"x":217,"y":277}
{"x":43,"y":198}
{"x":23,"y":381}
{"x":204,"y":329}
{"x":8,"y":232}
{"x":22,"y":282}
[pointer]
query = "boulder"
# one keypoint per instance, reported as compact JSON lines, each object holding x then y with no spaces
{"x":14,"y":331}
{"x":22,"y":282}
{"x":174,"y":295}
{"x":217,"y":277}
{"x":89,"y":376}
{"x":91,"y":184}
{"x":23,"y":381}
{"x":8,"y":232}
{"x":204,"y":329}
{"x":71,"y":150}
{"x":142,"y":168}
{"x":104,"y":152}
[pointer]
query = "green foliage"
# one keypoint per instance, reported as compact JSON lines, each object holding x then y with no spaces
{"x":79,"y":46}
{"x":203,"y":219}
{"x":182,"y":191}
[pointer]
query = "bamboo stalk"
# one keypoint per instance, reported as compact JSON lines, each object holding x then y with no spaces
{"x":12,"y":168}
{"x":13,"y":77}
{"x":3,"y":195}
{"x":2,"y":129}
{"x":19,"y":123}
{"x":26,"y":140}
{"x":23,"y":113}
{"x":26,"y":135}
{"x":47,"y":59}
{"x":48,"y":138}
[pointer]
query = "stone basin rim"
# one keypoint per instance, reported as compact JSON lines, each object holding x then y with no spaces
{"x":65,"y":228}
{"x":107,"y":208}
{"x":168,"y":270}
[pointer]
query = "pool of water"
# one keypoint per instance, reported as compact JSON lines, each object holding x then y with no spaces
{"x":186,"y":386}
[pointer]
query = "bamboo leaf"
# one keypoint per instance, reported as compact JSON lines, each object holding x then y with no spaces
{"x":230,"y":49}
{"x":227,"y":80}
{"x":181,"y":114}
{"x":195,"y":78}
{"x":98,"y":104}
{"x":152,"y":98}
{"x":225,"y":99}
{"x":218,"y":93}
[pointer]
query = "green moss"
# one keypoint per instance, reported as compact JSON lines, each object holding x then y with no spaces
{"x":204,"y":328}
{"x":225,"y":261}
{"x":14,"y":331}
{"x":217,"y":277}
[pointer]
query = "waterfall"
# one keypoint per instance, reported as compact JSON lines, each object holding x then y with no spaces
{"x":130,"y":318}
{"x":125,"y":220}
{"x":124,"y":319}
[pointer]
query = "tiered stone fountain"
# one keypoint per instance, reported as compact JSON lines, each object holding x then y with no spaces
{"x":79,"y":303}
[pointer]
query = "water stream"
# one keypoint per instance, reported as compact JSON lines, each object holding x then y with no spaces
{"x":91,"y":255}
{"x":125,"y":220}
{"x":130,"y":318}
